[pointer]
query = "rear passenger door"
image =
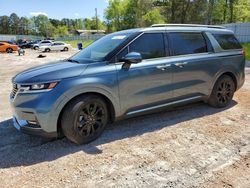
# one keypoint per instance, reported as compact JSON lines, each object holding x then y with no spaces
{"x":147,"y":83}
{"x":190,"y":56}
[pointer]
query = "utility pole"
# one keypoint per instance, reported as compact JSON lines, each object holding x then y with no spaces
{"x":96,"y":19}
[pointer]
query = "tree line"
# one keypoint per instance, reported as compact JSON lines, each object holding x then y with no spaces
{"x":41,"y":25}
{"x":125,"y":14}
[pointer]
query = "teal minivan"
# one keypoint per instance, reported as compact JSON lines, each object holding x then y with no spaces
{"x":126,"y":74}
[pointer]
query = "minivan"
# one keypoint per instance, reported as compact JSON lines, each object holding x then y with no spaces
{"x":126,"y":74}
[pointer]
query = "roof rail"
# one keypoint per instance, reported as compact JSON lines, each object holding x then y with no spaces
{"x":188,"y":25}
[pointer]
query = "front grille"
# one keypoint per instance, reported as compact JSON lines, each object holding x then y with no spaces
{"x":14,"y":90}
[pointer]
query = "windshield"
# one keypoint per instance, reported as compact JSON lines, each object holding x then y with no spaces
{"x":100,"y":48}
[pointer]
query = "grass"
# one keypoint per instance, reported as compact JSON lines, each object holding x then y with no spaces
{"x":246,"y":47}
{"x":74,"y":43}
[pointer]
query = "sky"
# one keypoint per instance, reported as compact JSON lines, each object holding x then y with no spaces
{"x":54,"y":8}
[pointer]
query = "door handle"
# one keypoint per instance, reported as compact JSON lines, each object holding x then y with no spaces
{"x":163,"y":67}
{"x":181,"y":65}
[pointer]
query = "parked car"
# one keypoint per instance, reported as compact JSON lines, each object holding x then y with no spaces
{"x":42,"y":43}
{"x":55,"y":46}
{"x":27,"y":45}
{"x":126,"y":74}
{"x":6,"y":47}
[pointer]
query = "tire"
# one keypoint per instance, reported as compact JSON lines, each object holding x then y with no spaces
{"x":66,"y":49}
{"x":84,"y":119}
{"x":9,"y":50}
{"x":223,"y":92}
{"x":36,"y":48}
{"x":47,"y":50}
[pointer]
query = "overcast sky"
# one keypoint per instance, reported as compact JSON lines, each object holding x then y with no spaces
{"x":54,"y":8}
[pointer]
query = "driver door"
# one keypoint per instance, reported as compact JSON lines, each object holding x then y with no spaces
{"x":147,"y":83}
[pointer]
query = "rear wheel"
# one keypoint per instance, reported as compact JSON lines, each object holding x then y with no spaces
{"x":223,"y":92}
{"x":9,"y":50}
{"x":66,"y":49}
{"x":84,"y":119}
{"x":47,"y":50}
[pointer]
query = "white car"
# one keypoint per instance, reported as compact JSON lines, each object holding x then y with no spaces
{"x":55,"y":46}
{"x":42,"y":43}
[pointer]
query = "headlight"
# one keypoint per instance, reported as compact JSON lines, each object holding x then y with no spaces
{"x":38,"y":87}
{"x":43,"y":86}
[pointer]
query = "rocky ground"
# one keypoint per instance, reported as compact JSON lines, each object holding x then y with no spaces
{"x":191,"y":146}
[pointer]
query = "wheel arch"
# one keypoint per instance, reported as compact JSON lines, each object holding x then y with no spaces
{"x":108,"y":101}
{"x":232,"y":75}
{"x":220,"y":74}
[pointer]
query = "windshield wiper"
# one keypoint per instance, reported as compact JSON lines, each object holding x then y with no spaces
{"x":72,"y":60}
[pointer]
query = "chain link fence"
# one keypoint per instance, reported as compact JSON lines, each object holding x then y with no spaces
{"x":241,"y":31}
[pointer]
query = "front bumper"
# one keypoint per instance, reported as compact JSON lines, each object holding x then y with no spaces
{"x":25,"y":127}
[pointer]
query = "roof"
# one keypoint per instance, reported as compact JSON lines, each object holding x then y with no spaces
{"x":188,"y":25}
{"x":89,"y":31}
{"x":181,"y":27}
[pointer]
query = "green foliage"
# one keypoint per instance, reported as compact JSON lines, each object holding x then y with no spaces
{"x":246,"y":47}
{"x":93,"y":24}
{"x":124,"y":14}
{"x":43,"y":26}
{"x":61,"y":31}
{"x":153,"y":16}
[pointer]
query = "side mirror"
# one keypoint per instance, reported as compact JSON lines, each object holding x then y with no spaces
{"x":131,"y":58}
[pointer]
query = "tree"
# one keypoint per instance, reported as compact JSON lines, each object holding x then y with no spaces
{"x":4,"y":25}
{"x":91,"y":24}
{"x":61,"y":31}
{"x":115,"y":14}
{"x":14,"y":23}
{"x":43,"y":25}
{"x":24,"y":26}
{"x":152,"y":17}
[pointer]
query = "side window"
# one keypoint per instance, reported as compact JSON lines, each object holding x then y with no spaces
{"x":122,"y":54}
{"x":187,"y":43}
{"x":45,"y":42}
{"x":1,"y":44}
{"x":150,"y":45}
{"x":227,"y":41}
{"x":57,"y":43}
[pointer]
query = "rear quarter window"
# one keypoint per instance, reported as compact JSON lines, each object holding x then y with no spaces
{"x":183,"y":43}
{"x":227,"y":41}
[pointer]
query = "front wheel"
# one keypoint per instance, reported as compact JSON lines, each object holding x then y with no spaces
{"x":223,"y":92}
{"x":84,"y":119}
{"x":66,"y":49}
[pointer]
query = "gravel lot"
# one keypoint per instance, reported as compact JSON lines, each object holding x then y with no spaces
{"x":191,"y":146}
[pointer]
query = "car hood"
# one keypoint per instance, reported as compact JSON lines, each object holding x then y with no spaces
{"x":53,"y":71}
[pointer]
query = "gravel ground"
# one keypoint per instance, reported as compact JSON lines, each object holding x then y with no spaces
{"x":191,"y":146}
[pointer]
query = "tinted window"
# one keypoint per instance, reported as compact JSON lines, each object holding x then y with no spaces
{"x":187,"y":43}
{"x":150,"y":45}
{"x":45,"y":42}
{"x":227,"y":41}
{"x":122,"y":54}
{"x":58,"y":43}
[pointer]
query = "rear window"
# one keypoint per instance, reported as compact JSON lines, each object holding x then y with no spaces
{"x":227,"y":42}
{"x":187,"y":43}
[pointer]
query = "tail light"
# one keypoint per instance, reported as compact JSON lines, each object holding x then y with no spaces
{"x":244,"y":53}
